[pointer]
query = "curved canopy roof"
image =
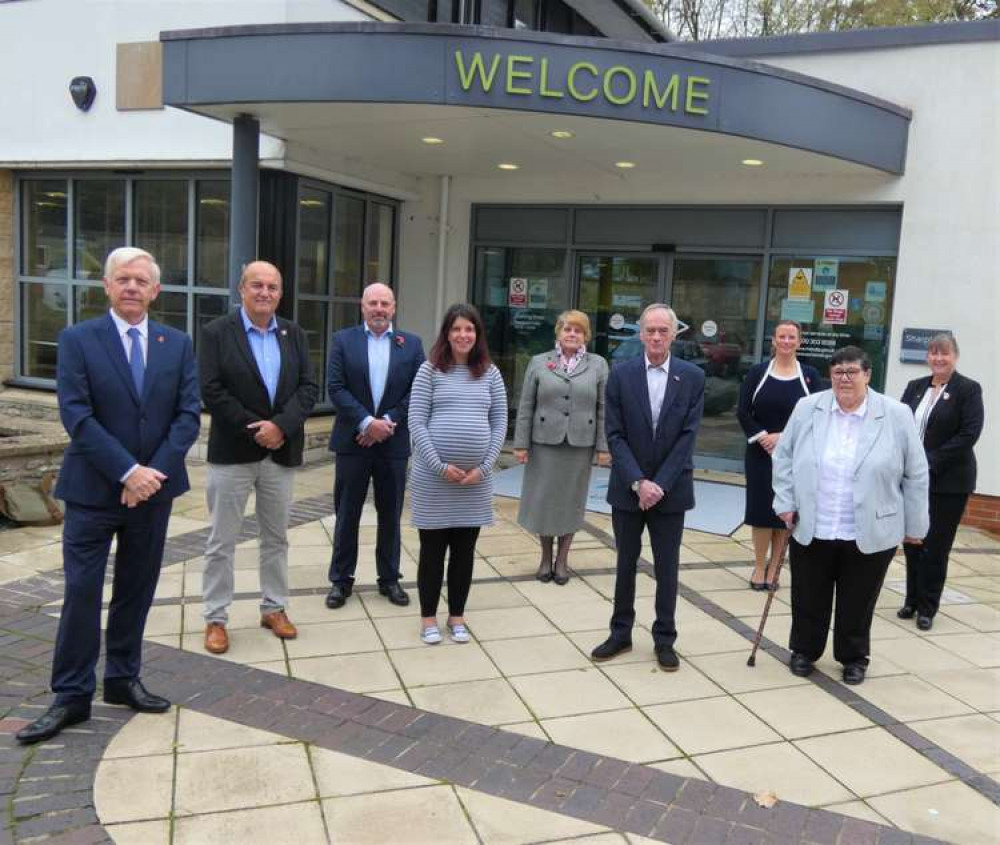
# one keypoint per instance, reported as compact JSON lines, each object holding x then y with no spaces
{"x":266,"y":70}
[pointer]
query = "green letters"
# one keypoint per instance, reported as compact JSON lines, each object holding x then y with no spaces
{"x":609,"y":88}
{"x":693,"y":95}
{"x":571,"y":81}
{"x":543,"y":82}
{"x":660,"y":98}
{"x":465,"y":75}
{"x":513,"y":74}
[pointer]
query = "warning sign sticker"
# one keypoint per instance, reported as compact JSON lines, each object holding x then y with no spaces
{"x":835,"y":307}
{"x":800,"y":282}
{"x":517,"y":295}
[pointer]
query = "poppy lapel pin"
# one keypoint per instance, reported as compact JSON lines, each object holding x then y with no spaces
{"x":399,"y":340}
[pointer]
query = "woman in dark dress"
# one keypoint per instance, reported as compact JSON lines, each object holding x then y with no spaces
{"x":768,"y":395}
{"x":948,"y":409}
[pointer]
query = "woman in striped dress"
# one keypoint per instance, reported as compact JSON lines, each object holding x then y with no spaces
{"x":458,"y":421}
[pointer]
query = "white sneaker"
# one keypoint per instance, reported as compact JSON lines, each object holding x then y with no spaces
{"x":459,"y":633}
{"x":431,"y":635}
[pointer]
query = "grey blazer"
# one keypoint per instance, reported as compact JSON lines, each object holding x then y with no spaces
{"x":557,"y":408}
{"x":890,"y":471}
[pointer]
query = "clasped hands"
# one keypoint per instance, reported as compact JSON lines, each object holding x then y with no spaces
{"x":142,"y":484}
{"x":649,"y":494}
{"x":267,"y":434}
{"x":462,"y":476}
{"x":378,"y":431}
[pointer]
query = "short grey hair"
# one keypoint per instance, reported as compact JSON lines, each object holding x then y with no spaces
{"x":658,"y":306}
{"x":942,"y":340}
{"x":126,"y":255}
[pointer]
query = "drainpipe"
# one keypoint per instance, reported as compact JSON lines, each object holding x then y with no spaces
{"x":442,"y":247}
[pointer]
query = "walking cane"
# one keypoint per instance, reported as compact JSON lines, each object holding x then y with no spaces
{"x":752,"y":659}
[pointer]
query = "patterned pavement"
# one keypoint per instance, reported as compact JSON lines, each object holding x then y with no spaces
{"x":356,"y":732}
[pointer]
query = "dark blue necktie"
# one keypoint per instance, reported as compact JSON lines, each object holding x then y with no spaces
{"x":135,"y":362}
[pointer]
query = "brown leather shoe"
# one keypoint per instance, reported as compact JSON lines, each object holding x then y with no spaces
{"x":216,"y":638}
{"x":279,"y":625}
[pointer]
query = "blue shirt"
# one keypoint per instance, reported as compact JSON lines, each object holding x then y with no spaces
{"x":379,"y":349}
{"x":266,"y":352}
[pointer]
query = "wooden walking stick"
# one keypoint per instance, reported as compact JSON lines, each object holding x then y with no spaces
{"x":772,"y":589}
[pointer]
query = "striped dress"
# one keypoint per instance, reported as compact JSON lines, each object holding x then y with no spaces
{"x":460,"y":420}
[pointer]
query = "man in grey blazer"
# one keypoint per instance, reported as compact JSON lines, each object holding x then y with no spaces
{"x":850,"y":479}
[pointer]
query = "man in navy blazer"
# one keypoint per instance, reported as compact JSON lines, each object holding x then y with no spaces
{"x":128,"y":397}
{"x":371,"y":369}
{"x":653,"y":407}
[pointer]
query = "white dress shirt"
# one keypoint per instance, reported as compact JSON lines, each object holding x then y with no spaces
{"x":835,"y":496}
{"x":656,"y":383}
{"x":122,"y":326}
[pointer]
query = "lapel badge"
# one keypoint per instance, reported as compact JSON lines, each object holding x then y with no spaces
{"x":946,"y":395}
{"x":677,"y":378}
{"x":160,"y":338}
{"x":284,"y":332}
{"x":399,"y":340}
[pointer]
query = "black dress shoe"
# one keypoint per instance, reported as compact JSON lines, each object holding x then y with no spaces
{"x":338,"y":596}
{"x":759,"y":587}
{"x":924,"y":623}
{"x":610,"y":648}
{"x":800,"y":665}
{"x":396,"y":594}
{"x":133,"y":694}
{"x":57,"y":717}
{"x":906,"y":611}
{"x":667,"y":658}
{"x":854,"y":673}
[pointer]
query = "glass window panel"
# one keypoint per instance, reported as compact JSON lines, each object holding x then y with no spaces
{"x":314,"y":240}
{"x":90,"y":302}
{"x":380,"y":237}
{"x":870,"y":284}
{"x":99,"y":214}
{"x":206,"y":308}
{"x":717,"y":300}
{"x":312,"y":319}
{"x":525,"y":14}
{"x":212,"y":234}
{"x":44,"y":222}
{"x":170,"y":308}
{"x":43,"y":317}
{"x":346,"y":314}
{"x":348,"y":245}
{"x":161,"y":225}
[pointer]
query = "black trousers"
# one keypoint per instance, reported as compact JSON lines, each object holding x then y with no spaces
{"x":819,"y":570}
{"x":665,"y":531}
{"x":87,"y":535}
{"x":350,"y":488}
{"x":927,"y":565}
{"x":460,"y":544}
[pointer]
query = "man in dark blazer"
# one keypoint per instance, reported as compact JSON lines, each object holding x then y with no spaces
{"x":653,"y":407}
{"x":128,"y":397}
{"x":257,"y":383}
{"x":370,"y":372}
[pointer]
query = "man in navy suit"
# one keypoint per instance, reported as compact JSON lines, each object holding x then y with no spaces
{"x":128,"y":397}
{"x":371,"y":369}
{"x":653,"y":407}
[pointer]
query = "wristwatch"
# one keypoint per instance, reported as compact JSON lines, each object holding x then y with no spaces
{"x":635,"y":485}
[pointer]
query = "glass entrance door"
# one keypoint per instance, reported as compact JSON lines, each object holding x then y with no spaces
{"x":613,"y":291}
{"x":718,"y":299}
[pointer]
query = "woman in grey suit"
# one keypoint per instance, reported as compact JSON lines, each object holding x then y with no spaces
{"x":850,"y":478}
{"x":560,"y":423}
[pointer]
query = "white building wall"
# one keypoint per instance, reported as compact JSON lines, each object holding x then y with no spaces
{"x":59,"y":39}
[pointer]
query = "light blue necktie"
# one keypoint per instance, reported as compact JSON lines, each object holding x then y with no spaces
{"x":135,"y":362}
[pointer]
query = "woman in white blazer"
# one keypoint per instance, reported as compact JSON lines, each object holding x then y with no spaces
{"x":850,"y":478}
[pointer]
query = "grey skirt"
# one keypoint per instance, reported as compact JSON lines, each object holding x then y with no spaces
{"x":554,"y":491}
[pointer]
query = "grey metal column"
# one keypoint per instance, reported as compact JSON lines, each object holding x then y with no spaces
{"x":243,"y":199}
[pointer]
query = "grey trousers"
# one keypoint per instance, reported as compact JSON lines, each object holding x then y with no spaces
{"x":227,"y":490}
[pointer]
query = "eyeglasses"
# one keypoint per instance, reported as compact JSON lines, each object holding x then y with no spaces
{"x":845,"y":375}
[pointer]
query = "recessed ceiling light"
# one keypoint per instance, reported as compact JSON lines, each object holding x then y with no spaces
{"x":752,"y":162}
{"x":507,"y":165}
{"x":561,"y":133}
{"x":432,"y":140}
{"x":625,"y":165}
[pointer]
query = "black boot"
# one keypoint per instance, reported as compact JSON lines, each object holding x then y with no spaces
{"x":544,"y":573}
{"x":561,"y":575}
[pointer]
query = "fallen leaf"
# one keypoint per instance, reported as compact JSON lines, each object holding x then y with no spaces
{"x":766,"y":799}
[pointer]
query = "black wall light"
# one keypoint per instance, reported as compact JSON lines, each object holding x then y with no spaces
{"x":83,"y":90}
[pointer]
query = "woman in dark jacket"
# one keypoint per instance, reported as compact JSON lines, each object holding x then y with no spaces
{"x":948,"y":409}
{"x":770,"y":392}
